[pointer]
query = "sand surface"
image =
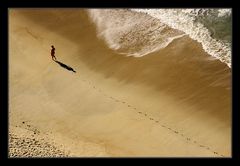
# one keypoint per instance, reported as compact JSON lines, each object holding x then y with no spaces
{"x":174,"y":102}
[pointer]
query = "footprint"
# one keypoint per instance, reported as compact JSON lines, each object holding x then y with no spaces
{"x":188,"y":139}
{"x":176,"y":132}
{"x":151,"y":118}
{"x":134,"y":108}
{"x":156,"y":121}
{"x":145,"y":114}
{"x":139,"y":112}
{"x":129,"y":105}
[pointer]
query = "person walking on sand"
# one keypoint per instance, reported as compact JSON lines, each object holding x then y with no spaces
{"x":53,"y":53}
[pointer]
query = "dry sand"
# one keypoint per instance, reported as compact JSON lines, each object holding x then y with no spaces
{"x":174,"y":102}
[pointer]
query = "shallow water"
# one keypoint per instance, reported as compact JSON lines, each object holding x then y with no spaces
{"x":129,"y":96}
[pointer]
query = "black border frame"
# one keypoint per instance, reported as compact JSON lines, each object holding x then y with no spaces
{"x":117,"y":4}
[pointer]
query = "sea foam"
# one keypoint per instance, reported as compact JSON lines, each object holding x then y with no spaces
{"x":132,"y":33}
{"x":138,"y":32}
{"x":186,"y":20}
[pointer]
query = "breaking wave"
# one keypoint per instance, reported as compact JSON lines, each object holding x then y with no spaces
{"x":138,"y":32}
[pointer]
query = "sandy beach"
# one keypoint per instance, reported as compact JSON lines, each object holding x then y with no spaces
{"x":175,"y":102}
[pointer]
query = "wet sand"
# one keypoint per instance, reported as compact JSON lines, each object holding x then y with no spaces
{"x":174,"y":102}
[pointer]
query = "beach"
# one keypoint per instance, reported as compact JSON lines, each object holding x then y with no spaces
{"x":174,"y":102}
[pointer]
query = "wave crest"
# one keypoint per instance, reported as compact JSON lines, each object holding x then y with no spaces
{"x":132,"y":33}
{"x":187,"y":21}
{"x":138,"y":32}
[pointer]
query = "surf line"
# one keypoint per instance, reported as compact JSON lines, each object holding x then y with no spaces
{"x":154,"y":120}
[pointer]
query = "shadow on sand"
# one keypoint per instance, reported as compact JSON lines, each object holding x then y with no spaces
{"x":65,"y":66}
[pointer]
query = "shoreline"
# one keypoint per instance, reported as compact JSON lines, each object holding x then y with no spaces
{"x":168,"y":103}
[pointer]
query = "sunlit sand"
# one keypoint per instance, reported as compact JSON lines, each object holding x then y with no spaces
{"x":171,"y":103}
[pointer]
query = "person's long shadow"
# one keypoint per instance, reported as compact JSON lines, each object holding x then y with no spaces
{"x":65,"y":66}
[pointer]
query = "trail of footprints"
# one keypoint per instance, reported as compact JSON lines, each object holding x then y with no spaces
{"x":156,"y":121}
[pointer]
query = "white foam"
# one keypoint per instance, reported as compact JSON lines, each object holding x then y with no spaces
{"x":185,"y":20}
{"x":132,"y":33}
{"x":138,"y":32}
{"x":224,"y":12}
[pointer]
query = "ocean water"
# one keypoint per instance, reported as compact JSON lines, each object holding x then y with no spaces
{"x":172,"y":79}
{"x":139,"y":32}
